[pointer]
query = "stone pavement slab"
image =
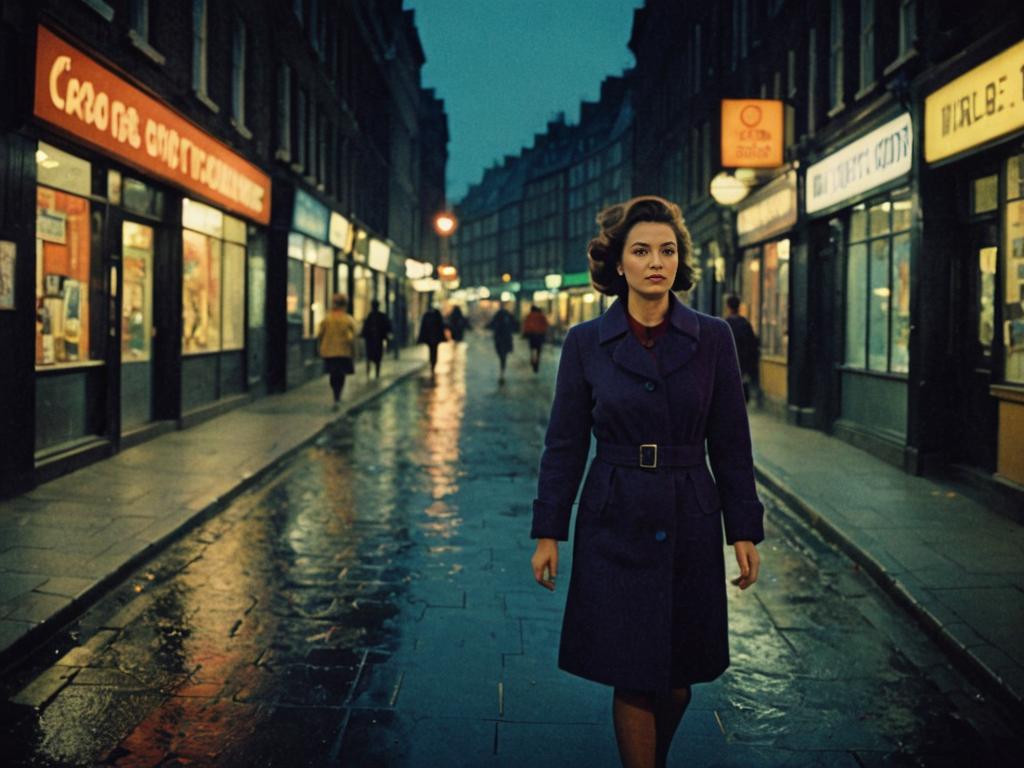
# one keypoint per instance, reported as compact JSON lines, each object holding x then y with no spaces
{"x":63,"y":543}
{"x":955,"y":564}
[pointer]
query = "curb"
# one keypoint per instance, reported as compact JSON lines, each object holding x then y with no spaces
{"x":961,"y":657}
{"x":11,"y":656}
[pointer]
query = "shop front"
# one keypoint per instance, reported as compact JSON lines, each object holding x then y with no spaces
{"x":310,"y":259}
{"x":974,"y":181}
{"x":763,"y":226}
{"x":147,"y":245}
{"x":858,"y":201}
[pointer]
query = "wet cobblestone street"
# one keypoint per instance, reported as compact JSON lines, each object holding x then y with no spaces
{"x":371,"y":604}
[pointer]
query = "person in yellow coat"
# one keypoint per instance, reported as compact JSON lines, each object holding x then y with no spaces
{"x":336,"y":336}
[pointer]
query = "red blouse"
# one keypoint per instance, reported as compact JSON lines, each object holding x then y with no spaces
{"x":647,"y":335}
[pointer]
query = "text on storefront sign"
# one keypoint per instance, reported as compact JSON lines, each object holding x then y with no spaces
{"x":76,"y":94}
{"x":881,"y":156}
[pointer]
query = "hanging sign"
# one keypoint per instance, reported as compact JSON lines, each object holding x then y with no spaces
{"x":752,"y":133}
{"x":79,"y":96}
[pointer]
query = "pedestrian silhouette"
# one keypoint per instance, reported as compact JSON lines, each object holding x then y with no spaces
{"x":376,"y":331}
{"x":535,"y":330}
{"x":504,"y":325}
{"x":336,"y":337}
{"x":653,"y":381}
{"x":748,"y":347}
{"x":432,"y":329}
{"x":457,"y":324}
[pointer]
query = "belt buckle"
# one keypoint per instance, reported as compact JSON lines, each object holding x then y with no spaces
{"x":649,"y":456}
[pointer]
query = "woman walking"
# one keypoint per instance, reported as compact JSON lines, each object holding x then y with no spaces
{"x":376,"y":330}
{"x":503,"y":324}
{"x":432,"y":334}
{"x":654,"y":381}
{"x":335,"y":336}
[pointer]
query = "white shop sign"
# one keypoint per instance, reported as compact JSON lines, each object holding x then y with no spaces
{"x":885,"y":154}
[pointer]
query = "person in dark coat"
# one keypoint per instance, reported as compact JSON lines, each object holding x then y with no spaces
{"x":376,"y":330}
{"x":654,"y":381}
{"x":432,"y":334}
{"x":504,"y":325}
{"x":457,"y":324}
{"x":748,"y":347}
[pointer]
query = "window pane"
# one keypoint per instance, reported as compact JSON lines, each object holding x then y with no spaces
{"x":296,"y":293}
{"x":63,"y":263}
{"x":137,"y":304}
{"x":1013,"y":308}
{"x":900,"y":303}
{"x":985,"y":194}
{"x":783,"y":302}
{"x":901,"y":215}
{"x":234,"y":296}
{"x":770,"y":313}
{"x":321,"y":300}
{"x":200,"y":293}
{"x":859,"y":223}
{"x":879,"y":216}
{"x":750,"y":291}
{"x":1015,"y":177}
{"x":307,"y":282}
{"x":856,"y":300}
{"x":878,"y":314}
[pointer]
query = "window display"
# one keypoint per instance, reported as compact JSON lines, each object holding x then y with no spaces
{"x":775,"y":315}
{"x":213,"y":280}
{"x":878,"y":286}
{"x":137,"y":304}
{"x":750,"y":290}
{"x":63,"y":261}
{"x":1013,"y":297}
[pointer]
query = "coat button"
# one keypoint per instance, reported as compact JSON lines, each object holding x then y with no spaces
{"x":649,"y":386}
{"x":660,"y":536}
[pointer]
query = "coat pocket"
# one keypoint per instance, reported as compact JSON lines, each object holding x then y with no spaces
{"x":597,"y":490}
{"x":706,"y":490}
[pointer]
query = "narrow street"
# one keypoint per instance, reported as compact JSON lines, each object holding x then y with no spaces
{"x":371,"y":604}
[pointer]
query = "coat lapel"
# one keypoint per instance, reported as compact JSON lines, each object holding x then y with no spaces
{"x":626,"y":350}
{"x":673,"y":351}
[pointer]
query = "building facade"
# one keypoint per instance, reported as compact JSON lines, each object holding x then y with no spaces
{"x":183,"y":186}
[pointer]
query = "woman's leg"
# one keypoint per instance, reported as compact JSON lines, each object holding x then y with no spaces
{"x":636,"y":728}
{"x":433,"y":357}
{"x":667,"y":715}
{"x":337,"y":381}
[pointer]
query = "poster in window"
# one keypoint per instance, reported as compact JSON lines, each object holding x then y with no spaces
{"x":7,"y":254}
{"x":51,"y":226}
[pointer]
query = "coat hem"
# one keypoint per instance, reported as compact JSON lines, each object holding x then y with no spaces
{"x":616,"y":681}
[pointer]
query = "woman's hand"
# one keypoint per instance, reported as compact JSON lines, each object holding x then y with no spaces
{"x":545,"y":563}
{"x":749,"y":562}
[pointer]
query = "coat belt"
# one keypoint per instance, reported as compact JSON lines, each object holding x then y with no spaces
{"x":651,"y":455}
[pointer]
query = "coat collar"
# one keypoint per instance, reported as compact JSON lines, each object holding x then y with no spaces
{"x":673,"y":350}
{"x":614,"y":322}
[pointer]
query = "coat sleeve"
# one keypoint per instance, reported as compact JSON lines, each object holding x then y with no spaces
{"x":566,"y":446}
{"x":729,"y":446}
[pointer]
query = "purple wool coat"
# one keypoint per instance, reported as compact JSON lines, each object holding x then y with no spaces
{"x":646,"y":606}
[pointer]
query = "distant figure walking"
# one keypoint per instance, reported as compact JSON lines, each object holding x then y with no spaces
{"x":376,"y":331}
{"x":336,"y":336}
{"x":748,"y":347}
{"x":457,"y":324}
{"x":432,"y":334}
{"x":535,"y":329}
{"x":504,"y":325}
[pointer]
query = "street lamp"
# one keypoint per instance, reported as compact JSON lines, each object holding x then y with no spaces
{"x":727,"y":189}
{"x":445,"y":223}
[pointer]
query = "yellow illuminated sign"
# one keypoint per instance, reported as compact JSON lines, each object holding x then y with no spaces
{"x":981,"y":105}
{"x":752,"y":134}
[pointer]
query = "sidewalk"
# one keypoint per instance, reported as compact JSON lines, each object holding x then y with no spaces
{"x":955,"y":565}
{"x":63,"y":544}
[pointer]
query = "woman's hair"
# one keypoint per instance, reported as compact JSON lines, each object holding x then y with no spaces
{"x":339,"y":301}
{"x":605,"y":251}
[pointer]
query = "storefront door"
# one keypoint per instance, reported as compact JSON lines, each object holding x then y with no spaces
{"x":136,"y":325}
{"x":974,"y":335}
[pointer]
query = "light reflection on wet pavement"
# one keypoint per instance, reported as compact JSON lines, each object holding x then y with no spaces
{"x":371,"y":605}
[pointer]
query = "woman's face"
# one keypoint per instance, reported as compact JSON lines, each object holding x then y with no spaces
{"x":650,"y":259}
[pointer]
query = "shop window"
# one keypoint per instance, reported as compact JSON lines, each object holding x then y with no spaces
{"x":750,"y":288}
{"x":775,"y":312}
{"x":63,"y":268}
{"x":213,"y":280}
{"x":878,"y":287}
{"x":1013,"y":297}
{"x":136,"y":304}
{"x":296,"y":290}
